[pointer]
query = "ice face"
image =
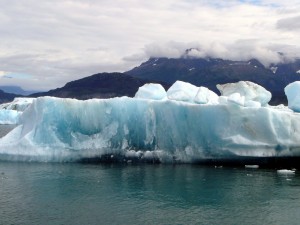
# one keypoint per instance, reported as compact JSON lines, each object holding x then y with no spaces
{"x":182,"y":91}
{"x":250,"y":91}
{"x":292,"y":91}
{"x":54,"y":129}
{"x":151,"y":91}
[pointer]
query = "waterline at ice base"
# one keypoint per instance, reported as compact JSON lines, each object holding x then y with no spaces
{"x":185,"y":124}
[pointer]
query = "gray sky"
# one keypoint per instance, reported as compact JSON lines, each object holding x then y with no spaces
{"x":46,"y":43}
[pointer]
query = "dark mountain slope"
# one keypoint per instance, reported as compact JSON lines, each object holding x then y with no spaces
{"x":6,"y":97}
{"x":16,"y":90}
{"x":102,"y":85}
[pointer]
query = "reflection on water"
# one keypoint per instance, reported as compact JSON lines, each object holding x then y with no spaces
{"x":145,"y":194}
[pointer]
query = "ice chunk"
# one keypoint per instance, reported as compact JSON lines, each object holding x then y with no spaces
{"x":182,"y":91}
{"x":151,"y":91}
{"x":286,"y":171}
{"x":9,"y":116}
{"x":10,"y":112}
{"x":252,"y":166}
{"x":223,"y":100}
{"x":18,"y":104}
{"x":204,"y":96}
{"x":292,"y":91}
{"x":237,"y":99}
{"x":249,"y":90}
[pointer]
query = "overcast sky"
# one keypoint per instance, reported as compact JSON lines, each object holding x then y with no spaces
{"x":46,"y":43}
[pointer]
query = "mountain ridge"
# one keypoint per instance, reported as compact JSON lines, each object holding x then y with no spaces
{"x":209,"y":72}
{"x":7,"y":97}
{"x":206,"y":72}
{"x":16,"y":90}
{"x":101,"y":85}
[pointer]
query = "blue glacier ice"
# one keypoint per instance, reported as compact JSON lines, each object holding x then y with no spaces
{"x":9,"y":116}
{"x":292,"y":92}
{"x":11,"y":112}
{"x":168,"y":130}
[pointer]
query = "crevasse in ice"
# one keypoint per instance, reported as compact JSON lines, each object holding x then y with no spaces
{"x":173,"y":129}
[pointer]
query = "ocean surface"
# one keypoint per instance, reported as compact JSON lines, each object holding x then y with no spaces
{"x":41,"y":193}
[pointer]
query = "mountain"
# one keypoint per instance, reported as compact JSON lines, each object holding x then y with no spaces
{"x":16,"y":90}
{"x":209,"y":72}
{"x":102,"y":85}
{"x":6,"y":97}
{"x":206,"y":72}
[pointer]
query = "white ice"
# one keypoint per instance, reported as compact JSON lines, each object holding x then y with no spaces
{"x":248,"y":90}
{"x":18,"y":104}
{"x":10,"y":112}
{"x":206,"y":96}
{"x":9,"y":116}
{"x":286,"y":171}
{"x":182,"y":91}
{"x":151,"y":91}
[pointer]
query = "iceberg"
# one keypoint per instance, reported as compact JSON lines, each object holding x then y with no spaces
{"x":206,"y":96}
{"x":292,"y":91}
{"x":249,"y":90}
{"x":10,"y":112}
{"x":182,"y":91}
{"x":172,"y":130}
{"x":186,"y":92}
{"x":18,"y":104}
{"x":151,"y":91}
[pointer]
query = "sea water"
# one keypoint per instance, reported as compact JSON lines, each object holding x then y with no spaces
{"x":41,"y":193}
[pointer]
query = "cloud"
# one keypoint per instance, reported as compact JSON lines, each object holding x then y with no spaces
{"x":238,"y":50}
{"x":61,"y":40}
{"x":290,"y":24}
{"x":44,"y":71}
{"x":2,"y":73}
{"x":195,"y":53}
{"x":170,"y":49}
